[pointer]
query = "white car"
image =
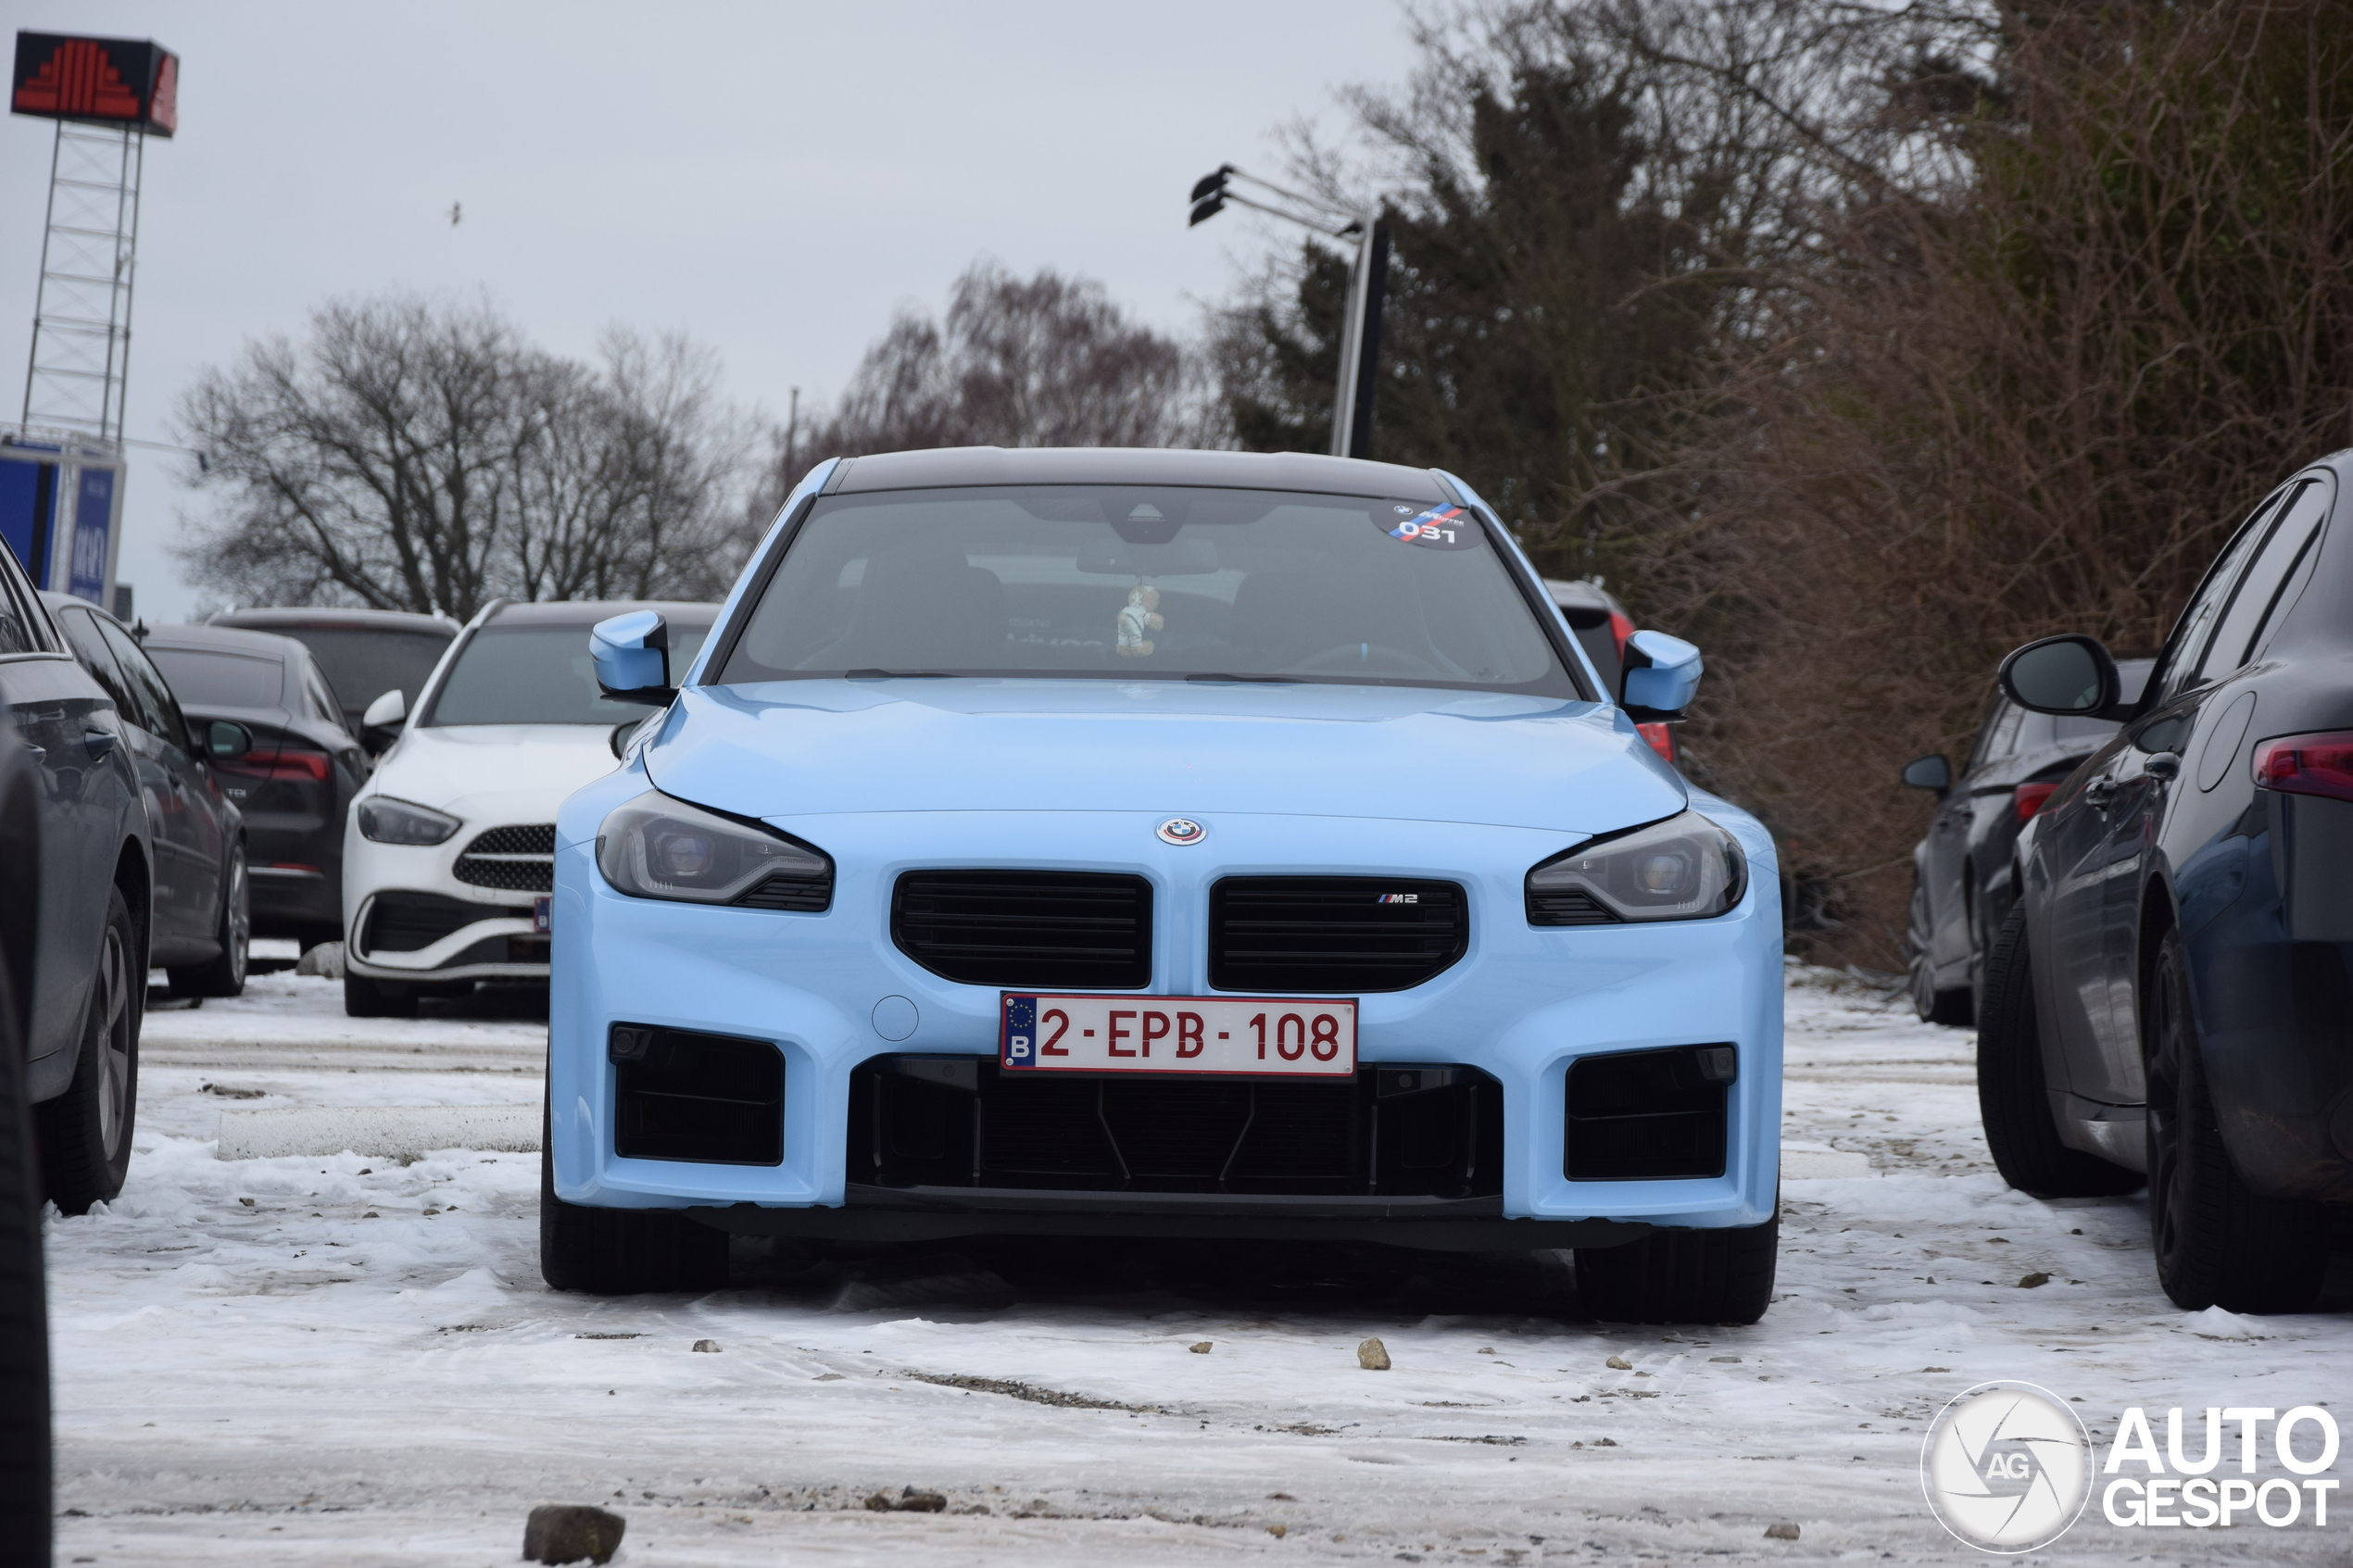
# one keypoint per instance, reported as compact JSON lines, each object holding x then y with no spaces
{"x":450,"y":849}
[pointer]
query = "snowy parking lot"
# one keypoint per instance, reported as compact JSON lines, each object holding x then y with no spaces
{"x":351,"y":1359}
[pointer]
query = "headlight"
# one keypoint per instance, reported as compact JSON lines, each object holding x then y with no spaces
{"x":1685,"y":868}
{"x":388,"y":821}
{"x":656,"y":847}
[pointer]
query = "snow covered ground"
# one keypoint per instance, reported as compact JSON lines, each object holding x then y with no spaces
{"x":346,"y":1359}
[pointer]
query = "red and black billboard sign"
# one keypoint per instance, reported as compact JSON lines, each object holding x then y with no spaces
{"x":132,"y":81}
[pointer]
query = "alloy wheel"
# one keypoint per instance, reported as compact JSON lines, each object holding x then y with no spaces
{"x":113,"y":1006}
{"x":239,"y":924}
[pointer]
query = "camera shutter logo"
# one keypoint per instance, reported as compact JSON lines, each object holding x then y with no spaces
{"x":2006,"y":1467}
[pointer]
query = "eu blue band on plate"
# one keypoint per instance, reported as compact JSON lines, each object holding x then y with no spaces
{"x":1017,"y":1044}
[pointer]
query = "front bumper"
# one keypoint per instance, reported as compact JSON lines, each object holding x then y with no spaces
{"x":1522,"y":1005}
{"x":497,"y":938}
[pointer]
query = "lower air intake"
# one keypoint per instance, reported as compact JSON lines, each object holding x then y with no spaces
{"x":1648,"y":1115}
{"x":711,"y":1098}
{"x":960,"y":1121}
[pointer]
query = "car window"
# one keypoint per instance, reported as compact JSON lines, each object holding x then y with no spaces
{"x":211,"y":678}
{"x":2006,"y":733}
{"x":154,"y":709}
{"x":1982,"y":749}
{"x":541,"y":675}
{"x":323,"y":702}
{"x":81,"y":634}
{"x":2284,"y":547}
{"x":1159,"y":583}
{"x":361,"y":663}
{"x":17,"y":625}
{"x":2184,"y":648}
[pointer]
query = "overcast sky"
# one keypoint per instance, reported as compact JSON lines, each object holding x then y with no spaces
{"x":773,"y":179}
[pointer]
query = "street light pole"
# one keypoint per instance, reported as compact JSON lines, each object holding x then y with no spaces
{"x":1359,"y":380}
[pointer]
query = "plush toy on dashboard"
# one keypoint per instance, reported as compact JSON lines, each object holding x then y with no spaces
{"x":1140,"y":615}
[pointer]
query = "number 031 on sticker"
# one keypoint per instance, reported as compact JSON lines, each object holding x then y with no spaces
{"x":1262,"y":1037}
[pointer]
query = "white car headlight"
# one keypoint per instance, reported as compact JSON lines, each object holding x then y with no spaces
{"x":1684,"y":868}
{"x":387,"y":820}
{"x":653,"y":847}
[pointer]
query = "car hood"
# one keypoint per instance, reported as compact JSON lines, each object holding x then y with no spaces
{"x":512,"y":772}
{"x":799,"y":749}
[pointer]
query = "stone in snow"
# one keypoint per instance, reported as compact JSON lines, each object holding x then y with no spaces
{"x":1619,"y":1363}
{"x":1781,"y":1532}
{"x":1373,"y":1355}
{"x":708,"y":1347}
{"x":571,"y":1532}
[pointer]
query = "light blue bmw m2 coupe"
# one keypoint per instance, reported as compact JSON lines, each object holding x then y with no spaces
{"x":1158,"y":845}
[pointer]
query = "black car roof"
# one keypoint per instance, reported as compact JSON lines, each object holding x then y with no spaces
{"x":584,"y":613}
{"x":325,"y":619}
{"x":227,"y":639}
{"x":956,"y":466}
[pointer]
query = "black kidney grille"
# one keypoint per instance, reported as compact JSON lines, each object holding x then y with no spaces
{"x":1072,"y":929}
{"x":1337,"y":934}
{"x":924,"y":1122}
{"x":1574,"y":906}
{"x":514,"y":859}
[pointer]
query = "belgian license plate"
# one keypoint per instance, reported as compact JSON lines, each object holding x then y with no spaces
{"x":540,"y":907}
{"x":1280,"y":1036}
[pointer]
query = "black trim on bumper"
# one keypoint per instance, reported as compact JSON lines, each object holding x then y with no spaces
{"x":872,"y":1214}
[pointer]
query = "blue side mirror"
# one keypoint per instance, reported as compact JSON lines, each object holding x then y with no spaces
{"x":1663,"y":683}
{"x":631,"y":656}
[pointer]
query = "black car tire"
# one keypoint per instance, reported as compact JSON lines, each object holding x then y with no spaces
{"x":1933,"y":1006}
{"x":1719,"y":1276}
{"x":363,"y":998}
{"x":2013,"y":1095}
{"x":621,"y":1251}
{"x":85,"y":1133}
{"x":2217,"y":1244}
{"x":225,"y":974}
{"x":25,"y":1453}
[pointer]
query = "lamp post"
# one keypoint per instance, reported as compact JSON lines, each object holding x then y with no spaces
{"x":1367,"y":284}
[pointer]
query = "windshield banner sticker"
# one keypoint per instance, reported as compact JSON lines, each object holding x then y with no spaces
{"x":1442,"y":527}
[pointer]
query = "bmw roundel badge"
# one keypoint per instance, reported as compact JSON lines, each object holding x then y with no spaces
{"x":1182,"y":830}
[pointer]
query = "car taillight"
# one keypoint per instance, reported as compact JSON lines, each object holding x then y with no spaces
{"x":2032,"y":797}
{"x":1662,"y":738}
{"x":280,"y":762}
{"x":2321,"y":764}
{"x":1620,"y":628}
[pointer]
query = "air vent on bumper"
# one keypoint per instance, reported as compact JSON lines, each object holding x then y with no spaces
{"x":1648,"y":1115}
{"x":711,"y":1098}
{"x":1075,"y":930}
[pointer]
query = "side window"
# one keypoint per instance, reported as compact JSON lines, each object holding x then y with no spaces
{"x":81,"y":633}
{"x":2186,"y":647}
{"x":2290,"y":542}
{"x":158,"y":713}
{"x":1987,"y":721}
{"x":2006,"y":733}
{"x":17,"y":633}
{"x":322,"y":696}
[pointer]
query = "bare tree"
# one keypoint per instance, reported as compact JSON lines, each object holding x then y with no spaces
{"x":415,"y":454}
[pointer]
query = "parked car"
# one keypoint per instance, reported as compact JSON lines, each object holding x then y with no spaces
{"x":79,"y":856}
{"x":1961,"y":870}
{"x":203,"y":922}
{"x":26,"y":1504}
{"x":293,"y":786}
{"x":2169,"y":996}
{"x":364,"y":653}
{"x":1603,"y":626}
{"x":1154,"y":845}
{"x":448,"y":852}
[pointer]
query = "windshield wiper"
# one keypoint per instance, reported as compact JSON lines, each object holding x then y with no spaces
{"x":1214,"y":678}
{"x":895,"y":675}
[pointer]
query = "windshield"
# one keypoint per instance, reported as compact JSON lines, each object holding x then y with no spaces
{"x":542,"y":675}
{"x":362,"y":664}
{"x":221,"y":680}
{"x":1160,"y":583}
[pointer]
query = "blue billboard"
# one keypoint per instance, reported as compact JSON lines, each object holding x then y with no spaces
{"x":93,"y":529}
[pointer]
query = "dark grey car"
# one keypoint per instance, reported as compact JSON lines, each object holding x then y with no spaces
{"x":1961,"y":870}
{"x":364,"y":653}
{"x":78,"y":906}
{"x":296,"y":782}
